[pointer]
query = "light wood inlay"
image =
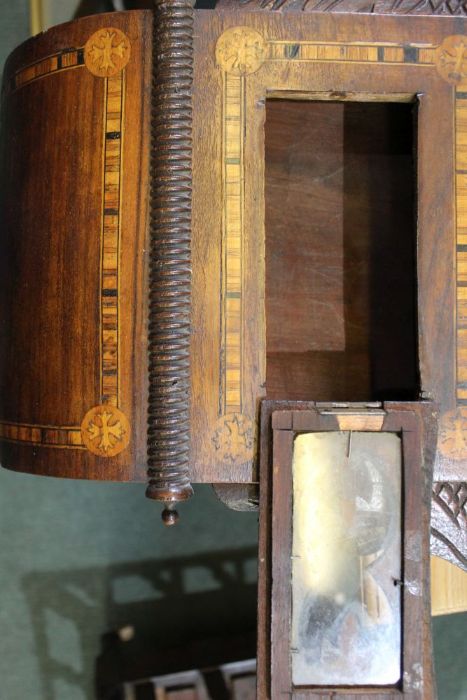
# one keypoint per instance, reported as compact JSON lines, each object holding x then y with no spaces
{"x":232,"y":244}
{"x":110,"y":239}
{"x":451,"y":60}
{"x":377,"y":52}
{"x":240,"y":51}
{"x":461,"y":222}
{"x":45,"y":435}
{"x":63,"y":60}
{"x":105,"y":431}
{"x":448,"y":588}
{"x":107,"y":52}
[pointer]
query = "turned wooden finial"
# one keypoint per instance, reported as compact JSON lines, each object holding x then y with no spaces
{"x":170,"y":494}
{"x":170,"y":515}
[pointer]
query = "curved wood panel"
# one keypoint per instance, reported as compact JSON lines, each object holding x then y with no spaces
{"x":74,"y":193}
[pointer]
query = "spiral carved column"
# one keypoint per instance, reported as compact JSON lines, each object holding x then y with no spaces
{"x":170,"y":256}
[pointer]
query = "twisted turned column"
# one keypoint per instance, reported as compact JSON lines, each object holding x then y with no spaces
{"x":170,"y":256}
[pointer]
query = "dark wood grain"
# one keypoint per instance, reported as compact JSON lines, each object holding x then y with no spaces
{"x":264,"y":543}
{"x":74,"y":192}
{"x":170,"y":257}
{"x":340,"y":250}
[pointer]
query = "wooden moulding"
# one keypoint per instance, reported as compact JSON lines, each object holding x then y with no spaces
{"x":170,"y":255}
{"x":416,"y":424}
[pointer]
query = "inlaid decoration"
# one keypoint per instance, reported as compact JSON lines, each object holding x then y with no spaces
{"x":232,"y":244}
{"x":111,"y":240}
{"x":64,"y":60}
{"x":457,"y":420}
{"x":107,"y":52}
{"x":453,"y":434}
{"x":44,"y":435}
{"x":240,"y":51}
{"x":105,"y":431}
{"x":234,"y":438}
{"x":451,"y":60}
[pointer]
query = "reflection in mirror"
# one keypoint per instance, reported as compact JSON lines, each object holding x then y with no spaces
{"x":346,"y":559}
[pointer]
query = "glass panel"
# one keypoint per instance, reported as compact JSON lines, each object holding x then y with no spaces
{"x":346,"y":559}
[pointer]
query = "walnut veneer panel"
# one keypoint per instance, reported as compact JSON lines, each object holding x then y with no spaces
{"x":73,"y":238}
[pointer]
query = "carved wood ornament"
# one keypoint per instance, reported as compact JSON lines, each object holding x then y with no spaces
{"x":451,"y":8}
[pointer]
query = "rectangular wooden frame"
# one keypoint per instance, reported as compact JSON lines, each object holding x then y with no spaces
{"x":280,"y":423}
{"x":318,"y":56}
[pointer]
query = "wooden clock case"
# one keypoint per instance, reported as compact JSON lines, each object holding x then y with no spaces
{"x":204,"y":209}
{"x":205,"y":213}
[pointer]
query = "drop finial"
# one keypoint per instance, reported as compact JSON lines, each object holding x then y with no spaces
{"x":170,"y":514}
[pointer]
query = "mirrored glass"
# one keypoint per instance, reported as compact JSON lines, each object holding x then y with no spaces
{"x":346,"y":559}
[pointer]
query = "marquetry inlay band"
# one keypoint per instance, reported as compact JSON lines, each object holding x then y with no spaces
{"x":232,"y":243}
{"x":357,"y":52}
{"x":58,"y":62}
{"x":110,"y":239}
{"x":44,"y":435}
{"x":457,"y":421}
{"x":451,"y":63}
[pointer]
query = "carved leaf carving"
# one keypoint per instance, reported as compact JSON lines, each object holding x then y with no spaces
{"x":449,"y":522}
{"x":403,"y":7}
